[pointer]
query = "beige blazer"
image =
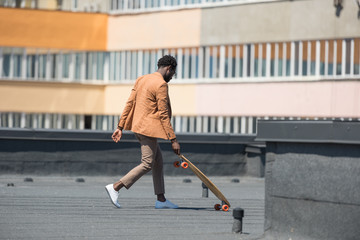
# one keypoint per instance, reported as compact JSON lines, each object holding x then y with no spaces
{"x":148,"y":109}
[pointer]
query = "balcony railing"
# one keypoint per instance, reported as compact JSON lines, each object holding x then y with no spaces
{"x":139,"y":6}
{"x":181,"y":124}
{"x":280,"y":61}
{"x":122,"y":6}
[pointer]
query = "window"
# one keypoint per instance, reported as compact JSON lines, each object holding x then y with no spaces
{"x":31,"y":60}
{"x":78,"y":61}
{"x":66,"y":65}
{"x":99,"y":65}
{"x":17,"y":61}
{"x":230,"y":61}
{"x":89,"y":65}
{"x":42,"y":66}
{"x":274,"y":52}
{"x":6,"y":63}
{"x":74,"y":5}
{"x":186,"y":63}
{"x":339,"y":53}
{"x":88,"y":121}
{"x":212,"y":62}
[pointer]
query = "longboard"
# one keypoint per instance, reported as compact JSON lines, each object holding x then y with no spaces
{"x":185,"y":163}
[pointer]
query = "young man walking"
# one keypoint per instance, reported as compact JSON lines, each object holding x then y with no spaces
{"x":147,"y":113}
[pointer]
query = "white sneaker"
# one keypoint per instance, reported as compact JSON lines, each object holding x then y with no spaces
{"x":166,"y":204}
{"x":113,"y":195}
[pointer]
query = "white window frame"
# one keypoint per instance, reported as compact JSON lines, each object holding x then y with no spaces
{"x":260,"y":52}
{"x":343,"y":58}
{"x":326,"y":68}
{"x":230,"y":61}
{"x":284,"y":59}
{"x":276,"y":60}
{"x":237,"y":61}
{"x":317,"y":58}
{"x":292,"y":59}
{"x":245,"y":61}
{"x":221,"y":75}
{"x":352,"y":57}
{"x":106,"y":71}
{"x":335,"y":58}
{"x":252,"y":60}
{"x":268,"y":61}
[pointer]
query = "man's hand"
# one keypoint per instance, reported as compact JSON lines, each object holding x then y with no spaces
{"x":117,"y":135}
{"x":175,"y":146}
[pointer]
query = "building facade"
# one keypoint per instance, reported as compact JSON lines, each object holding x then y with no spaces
{"x":71,"y":64}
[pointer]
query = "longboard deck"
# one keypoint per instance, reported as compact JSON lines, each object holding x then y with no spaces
{"x":206,"y":181}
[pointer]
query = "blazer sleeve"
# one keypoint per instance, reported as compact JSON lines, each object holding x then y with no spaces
{"x":162,"y":98}
{"x":128,"y":106}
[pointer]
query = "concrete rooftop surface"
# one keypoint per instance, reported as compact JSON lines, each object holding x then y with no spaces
{"x":58,"y":207}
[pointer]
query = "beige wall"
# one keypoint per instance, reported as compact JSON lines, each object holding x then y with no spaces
{"x":48,"y":5}
{"x":154,"y":30}
{"x":182,"y":98}
{"x":17,"y":96}
{"x":297,"y":99}
{"x":72,"y":98}
{"x":116,"y":97}
{"x":278,"y":21}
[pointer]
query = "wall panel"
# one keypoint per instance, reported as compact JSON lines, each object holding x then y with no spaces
{"x":53,"y":29}
{"x":278,"y":21}
{"x":155,"y":30}
{"x":51,"y":97}
{"x":288,"y":99}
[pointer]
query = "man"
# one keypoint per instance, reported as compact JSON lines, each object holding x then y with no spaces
{"x":147,"y":113}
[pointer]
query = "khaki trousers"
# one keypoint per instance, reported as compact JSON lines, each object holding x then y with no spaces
{"x":151,"y":159}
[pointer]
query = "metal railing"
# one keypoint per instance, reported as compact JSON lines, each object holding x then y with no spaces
{"x":181,"y":124}
{"x":253,"y":62}
{"x":122,"y":6}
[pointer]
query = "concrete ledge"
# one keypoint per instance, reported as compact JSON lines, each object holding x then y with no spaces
{"x":309,"y":131}
{"x":311,"y":180}
{"x":320,"y":172}
{"x":105,"y":136}
{"x":29,"y":151}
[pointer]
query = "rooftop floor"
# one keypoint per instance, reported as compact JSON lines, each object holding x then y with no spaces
{"x":57,"y":207}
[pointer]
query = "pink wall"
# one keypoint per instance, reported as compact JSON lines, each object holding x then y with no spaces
{"x":296,"y":99}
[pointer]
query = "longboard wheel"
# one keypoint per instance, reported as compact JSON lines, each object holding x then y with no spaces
{"x":176,"y":164}
{"x":217,"y":207}
{"x":184,"y":165}
{"x":225,"y":208}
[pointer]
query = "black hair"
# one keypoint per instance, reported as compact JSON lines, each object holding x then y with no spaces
{"x":167,"y":60}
